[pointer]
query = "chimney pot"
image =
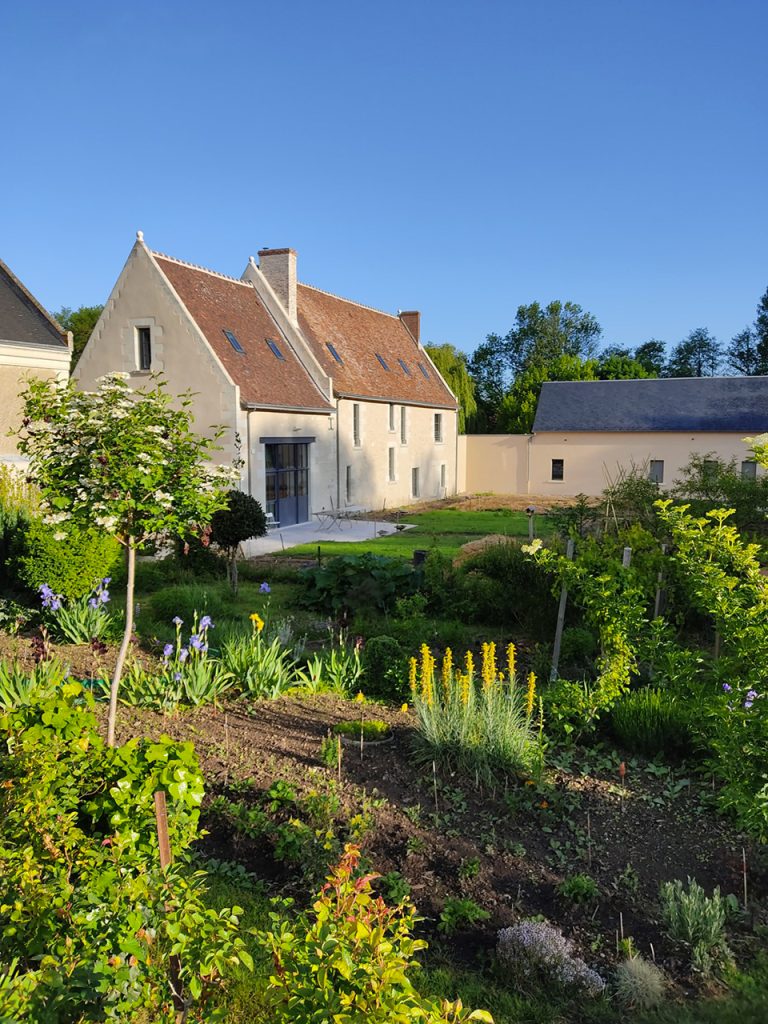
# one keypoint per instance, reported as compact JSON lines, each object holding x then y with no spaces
{"x":279,"y":268}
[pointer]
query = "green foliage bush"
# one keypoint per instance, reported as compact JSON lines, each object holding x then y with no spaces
{"x":186,"y":602}
{"x":708,"y":482}
{"x":697,"y":920}
{"x":86,"y":912}
{"x":651,"y":721}
{"x":353,"y":582}
{"x":385,"y":668}
{"x":71,"y":567}
{"x":242,"y":519}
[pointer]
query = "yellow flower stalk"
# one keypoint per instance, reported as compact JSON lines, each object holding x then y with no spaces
{"x":447,"y":670}
{"x":258,"y":622}
{"x":412,"y":670}
{"x":531,"y":694}
{"x":511,"y":653}
{"x":469,"y":665}
{"x":489,"y":665}
{"x":465,"y":682}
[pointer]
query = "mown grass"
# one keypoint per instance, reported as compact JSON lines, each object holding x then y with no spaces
{"x":445,"y":529}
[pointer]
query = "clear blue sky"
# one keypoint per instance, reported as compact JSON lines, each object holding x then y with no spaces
{"x":460,"y":158}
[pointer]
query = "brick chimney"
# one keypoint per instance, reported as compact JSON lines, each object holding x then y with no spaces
{"x":279,"y":268}
{"x":412,"y":320}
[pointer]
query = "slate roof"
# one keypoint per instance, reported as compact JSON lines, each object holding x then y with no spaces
{"x":359,"y":335}
{"x":218,"y":303}
{"x":697,"y":404}
{"x":22,"y":318}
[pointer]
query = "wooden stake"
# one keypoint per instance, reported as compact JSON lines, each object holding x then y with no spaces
{"x":163,"y":839}
{"x":626,"y":558}
{"x":744,"y":872}
{"x":621,"y":925}
{"x":589,"y":841}
{"x":434,"y":781}
{"x":560,"y":619}
{"x":338,"y":756}
{"x":653,"y":952}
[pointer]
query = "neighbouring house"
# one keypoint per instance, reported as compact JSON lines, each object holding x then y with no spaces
{"x":586,"y":431}
{"x":32,"y":344}
{"x":334,"y":404}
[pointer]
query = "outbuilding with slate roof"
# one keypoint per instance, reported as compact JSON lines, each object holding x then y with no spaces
{"x":334,"y":404}
{"x":32,"y":344}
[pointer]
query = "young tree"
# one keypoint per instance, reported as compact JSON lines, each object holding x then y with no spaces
{"x":742,"y":354}
{"x":242,"y":519}
{"x":452,"y":364}
{"x":124,"y":461}
{"x":653,"y":356}
{"x":81,"y":322}
{"x":619,"y":365}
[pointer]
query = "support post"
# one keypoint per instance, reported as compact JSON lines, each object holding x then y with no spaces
{"x":560,"y":619}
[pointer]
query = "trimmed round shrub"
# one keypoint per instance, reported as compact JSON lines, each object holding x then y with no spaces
{"x":243,"y":520}
{"x":651,"y":721}
{"x":71,"y":567}
{"x":385,"y":668}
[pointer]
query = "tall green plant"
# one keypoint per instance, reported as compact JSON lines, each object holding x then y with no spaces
{"x":124,"y":461}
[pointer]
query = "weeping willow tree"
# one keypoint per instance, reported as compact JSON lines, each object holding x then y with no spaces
{"x":452,"y":364}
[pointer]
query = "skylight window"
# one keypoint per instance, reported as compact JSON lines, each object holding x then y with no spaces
{"x":423,"y":370}
{"x":404,"y":365}
{"x":381,"y":360}
{"x":275,"y":350}
{"x":333,"y":352}
{"x":233,"y":341}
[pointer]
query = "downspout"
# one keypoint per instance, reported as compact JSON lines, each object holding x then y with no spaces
{"x":528,"y":468}
{"x":250,"y":454}
{"x":456,"y":459}
{"x":338,"y":459}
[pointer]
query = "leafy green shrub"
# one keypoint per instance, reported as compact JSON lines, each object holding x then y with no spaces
{"x":651,"y":721}
{"x":458,"y":913}
{"x":70,"y":566}
{"x":708,"y":482}
{"x":352,"y":582}
{"x":230,"y":527}
{"x":78,"y":833}
{"x":697,"y":920}
{"x":260,"y":668}
{"x":371,"y":728}
{"x":578,"y":651}
{"x":570,"y":710}
{"x":578,"y":889}
{"x":396,"y":888}
{"x":348,"y":960}
{"x":385,"y":668}
{"x":185,"y":602}
{"x":487,"y":579}
{"x":639,"y":984}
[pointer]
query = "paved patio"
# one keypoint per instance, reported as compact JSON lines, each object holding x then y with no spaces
{"x":346,"y":530}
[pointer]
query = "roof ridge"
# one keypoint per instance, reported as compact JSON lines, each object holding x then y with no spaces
{"x":352,"y":302}
{"x":635,"y":380}
{"x":197,"y":266}
{"x":35,"y":302}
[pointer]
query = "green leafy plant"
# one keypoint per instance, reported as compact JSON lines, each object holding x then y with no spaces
{"x":81,"y":620}
{"x":20,"y":687}
{"x":330,"y":751}
{"x":469,"y":869}
{"x":459,"y":913}
{"x":698,"y":921}
{"x":385,"y":668}
{"x":349,"y":960}
{"x":578,"y":890}
{"x":352,"y":582}
{"x":396,"y":889}
{"x":372,"y":729}
{"x":242,"y":519}
{"x":260,"y":668}
{"x":651,"y":721}
{"x":123,"y":461}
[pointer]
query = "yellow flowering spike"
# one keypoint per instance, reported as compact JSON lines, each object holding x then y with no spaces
{"x":511,"y":654}
{"x":412,"y":670}
{"x":447,"y":670}
{"x":258,"y":622}
{"x":530,"y":696}
{"x":469,"y":664}
{"x":466,"y":682}
{"x":489,"y":665}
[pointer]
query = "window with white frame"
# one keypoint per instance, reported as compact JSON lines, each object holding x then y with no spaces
{"x":438,"y":428}
{"x":356,"y":425}
{"x":392,"y":426}
{"x":144,"y":348}
{"x":442,"y":476}
{"x":391,"y":464}
{"x":656,"y":471}
{"x":403,"y":425}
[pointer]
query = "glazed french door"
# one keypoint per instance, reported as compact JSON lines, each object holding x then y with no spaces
{"x":287,"y":482}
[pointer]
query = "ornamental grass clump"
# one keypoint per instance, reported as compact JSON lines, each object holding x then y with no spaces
{"x":479,"y":723}
{"x":535,"y":952}
{"x":638,"y":984}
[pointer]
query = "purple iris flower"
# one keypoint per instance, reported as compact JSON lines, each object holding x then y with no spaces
{"x":168,"y":650}
{"x":104,"y":596}
{"x":196,"y":642}
{"x":45,"y":592}
{"x":93,"y":603}
{"x":54,"y":604}
{"x":183,"y":654}
{"x":177,"y":676}
{"x":752,"y":694}
{"x":106,"y":581}
{"x":726,"y":687}
{"x":265,"y":588}
{"x":177,"y":621}
{"x":205,"y":622}
{"x":748,"y":704}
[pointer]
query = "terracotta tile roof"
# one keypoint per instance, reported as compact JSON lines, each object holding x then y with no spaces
{"x":217,"y":304}
{"x":360,"y":335}
{"x":22,"y":318}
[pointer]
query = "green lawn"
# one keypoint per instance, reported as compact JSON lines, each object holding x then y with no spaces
{"x":445,"y":529}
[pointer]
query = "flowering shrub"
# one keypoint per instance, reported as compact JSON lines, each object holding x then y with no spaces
{"x":483,"y":727}
{"x":535,"y":951}
{"x":81,"y":620}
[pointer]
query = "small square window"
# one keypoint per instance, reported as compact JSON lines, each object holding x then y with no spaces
{"x":749,"y":470}
{"x":233,"y":341}
{"x":144,"y":339}
{"x":557,"y":469}
{"x":275,"y":349}
{"x":656,"y":471}
{"x":438,"y":428}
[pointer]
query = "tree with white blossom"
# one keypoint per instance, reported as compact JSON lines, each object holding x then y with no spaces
{"x":125,"y":461}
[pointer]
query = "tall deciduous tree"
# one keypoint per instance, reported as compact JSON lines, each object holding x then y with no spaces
{"x":124,"y":461}
{"x":620,"y":365}
{"x":452,"y":364}
{"x":698,"y":355}
{"x":742,"y":355}
{"x":653,"y":356}
{"x":81,"y":322}
{"x":518,"y":408}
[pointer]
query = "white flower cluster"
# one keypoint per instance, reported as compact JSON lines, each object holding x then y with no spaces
{"x":537,"y":948}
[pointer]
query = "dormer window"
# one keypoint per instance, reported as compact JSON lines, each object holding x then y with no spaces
{"x":144,"y":345}
{"x":423,"y":370}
